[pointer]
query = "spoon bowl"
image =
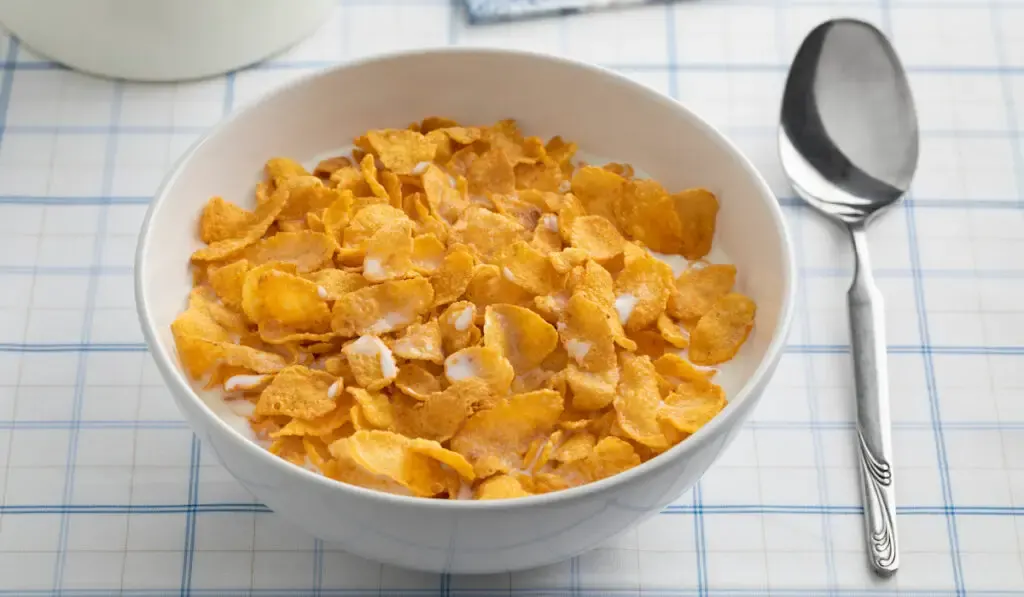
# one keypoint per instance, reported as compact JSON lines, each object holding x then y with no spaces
{"x":849,"y":137}
{"x":848,"y":142}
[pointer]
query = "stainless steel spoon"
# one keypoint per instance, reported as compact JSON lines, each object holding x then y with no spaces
{"x":848,"y":142}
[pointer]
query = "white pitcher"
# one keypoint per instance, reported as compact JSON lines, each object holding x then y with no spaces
{"x":161,"y":40}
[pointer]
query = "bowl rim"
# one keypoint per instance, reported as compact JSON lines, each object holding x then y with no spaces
{"x":178,"y":384}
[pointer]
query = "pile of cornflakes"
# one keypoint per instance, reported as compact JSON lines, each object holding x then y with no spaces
{"x":463,"y":312}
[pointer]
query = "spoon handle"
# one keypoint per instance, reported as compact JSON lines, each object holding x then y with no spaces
{"x":867,"y":334}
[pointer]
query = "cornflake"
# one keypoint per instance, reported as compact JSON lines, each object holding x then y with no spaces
{"x":463,"y":312}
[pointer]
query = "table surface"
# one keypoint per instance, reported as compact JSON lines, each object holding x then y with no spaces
{"x":105,"y":489}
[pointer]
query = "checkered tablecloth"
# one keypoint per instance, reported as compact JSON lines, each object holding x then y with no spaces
{"x":104,"y":489}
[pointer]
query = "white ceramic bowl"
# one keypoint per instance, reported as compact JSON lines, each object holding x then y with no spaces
{"x":608,"y":116}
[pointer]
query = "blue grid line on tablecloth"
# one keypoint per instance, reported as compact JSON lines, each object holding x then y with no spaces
{"x":933,"y":397}
{"x":676,"y":509}
{"x":531,"y":592}
{"x":922,"y":317}
{"x":812,"y":407}
{"x":90,"y":310}
{"x":308,"y":65}
{"x":190,"y":516}
{"x":1011,"y":115}
{"x":699,"y":539}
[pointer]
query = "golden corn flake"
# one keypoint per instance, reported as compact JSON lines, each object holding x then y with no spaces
{"x":382,"y":308}
{"x":389,"y":252}
{"x":420,"y":342}
{"x":451,"y":281}
{"x":698,"y":210}
{"x":326,"y":167}
{"x":561,"y":152}
{"x":489,"y":286}
{"x":697,"y":289}
{"x":253,"y":359}
{"x":335,"y":218}
{"x":428,"y":254}
{"x":566,"y":260}
{"x":637,"y":403}
{"x":610,"y":456}
{"x":594,"y":282}
{"x":524,"y":212}
{"x":372,"y":362}
{"x":491,"y":172}
{"x":307,"y":250}
{"x":672,"y":332}
{"x":441,"y":414}
{"x":320,"y":426}
{"x":279,"y":169}
{"x":576,"y":447}
{"x":691,"y":406}
{"x":349,"y":178}
{"x":597,"y":236}
{"x":306,"y":194}
{"x":291,"y":301}
{"x":642,"y":289}
{"x":401,"y":150}
{"x":462,"y":312}
{"x":223,"y":220}
{"x":458,"y":329}
{"x":546,"y":237}
{"x":647,"y":215}
{"x":366,"y":222}
{"x":204,"y":299}
{"x":587,"y":335}
{"x":500,"y":487}
{"x":483,"y":363}
{"x":416,"y":381}
{"x":393,"y":185}
{"x":197,"y":338}
{"x":487,"y":233}
{"x":456,"y":461}
{"x":676,"y":370}
{"x":544,"y":175}
{"x":568,"y":207}
{"x":599,"y":190}
{"x":375,"y":409}
{"x":539,"y":452}
{"x":505,"y":135}
{"x":529,"y":269}
{"x":263,"y":218}
{"x":433,"y":123}
{"x":347,"y":469}
{"x":336,"y":283}
{"x":591,"y":390}
{"x":649,"y":343}
{"x":359,"y":420}
{"x":298,"y":392}
{"x":390,"y":455}
{"x":718,"y":335}
{"x":443,"y":196}
{"x":519,"y":335}
{"x":368,"y":167}
{"x":495,"y":440}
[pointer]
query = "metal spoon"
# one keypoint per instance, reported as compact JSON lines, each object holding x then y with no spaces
{"x":848,"y":143}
